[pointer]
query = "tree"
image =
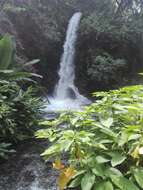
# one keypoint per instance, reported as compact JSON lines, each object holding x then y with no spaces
{"x":133,"y":6}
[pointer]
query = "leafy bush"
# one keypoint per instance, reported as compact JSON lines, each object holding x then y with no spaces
{"x":114,"y":27}
{"x":9,"y":70}
{"x":103,"y":143}
{"x":19,"y":112}
{"x":19,"y":106}
{"x":105,"y":19}
{"x":105,"y":68}
{"x":96,"y":23}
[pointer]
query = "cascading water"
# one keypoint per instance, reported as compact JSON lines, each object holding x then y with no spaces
{"x":66,"y":94}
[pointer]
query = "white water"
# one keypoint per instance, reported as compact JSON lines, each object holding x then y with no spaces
{"x":66,"y":95}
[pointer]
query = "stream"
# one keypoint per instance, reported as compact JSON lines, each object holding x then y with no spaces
{"x":26,"y":170}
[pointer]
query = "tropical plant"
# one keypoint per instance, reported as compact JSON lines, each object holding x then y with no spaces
{"x":103,"y":144}
{"x":19,"y":112}
{"x":6,"y":52}
{"x":105,"y":68}
{"x":19,"y":106}
{"x":8,"y":70}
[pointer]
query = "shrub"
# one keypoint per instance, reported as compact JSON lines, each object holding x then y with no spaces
{"x":19,"y":108}
{"x":103,"y":143}
{"x":19,"y":112}
{"x":105,"y":68}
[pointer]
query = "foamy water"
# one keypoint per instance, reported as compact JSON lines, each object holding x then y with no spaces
{"x":66,"y":95}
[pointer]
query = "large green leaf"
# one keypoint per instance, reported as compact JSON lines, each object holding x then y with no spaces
{"x":87,"y":181}
{"x":109,"y":172}
{"x":117,"y":159}
{"x":56,"y":148}
{"x":107,"y":185}
{"x":5,"y":71}
{"x":101,"y":159}
{"x":19,"y":76}
{"x":98,"y":170}
{"x":123,"y":183}
{"x":108,"y":132}
{"x":6,"y":52}
{"x":138,"y":174}
{"x":108,"y":122}
{"x":30,"y":63}
{"x":76,"y":182}
{"x":123,"y":139}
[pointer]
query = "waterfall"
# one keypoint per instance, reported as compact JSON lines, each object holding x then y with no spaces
{"x":66,"y":94}
{"x":66,"y":72}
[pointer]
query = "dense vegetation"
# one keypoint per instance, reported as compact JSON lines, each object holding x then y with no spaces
{"x":113,"y":28}
{"x":103,"y":144}
{"x":19,"y":107}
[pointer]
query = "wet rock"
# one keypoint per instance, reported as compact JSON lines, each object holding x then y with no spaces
{"x":71,"y":94}
{"x":26,"y":170}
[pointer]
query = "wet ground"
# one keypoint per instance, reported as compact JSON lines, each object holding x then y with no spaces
{"x":26,"y":170}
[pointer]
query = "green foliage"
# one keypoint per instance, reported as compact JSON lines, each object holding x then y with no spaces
{"x":106,"y":20}
{"x":6,"y":52}
{"x":95,"y":23}
{"x":104,"y":142}
{"x":115,"y":27}
{"x":19,"y":106}
{"x":19,"y":112}
{"x":105,"y":68}
{"x":7,"y":60}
